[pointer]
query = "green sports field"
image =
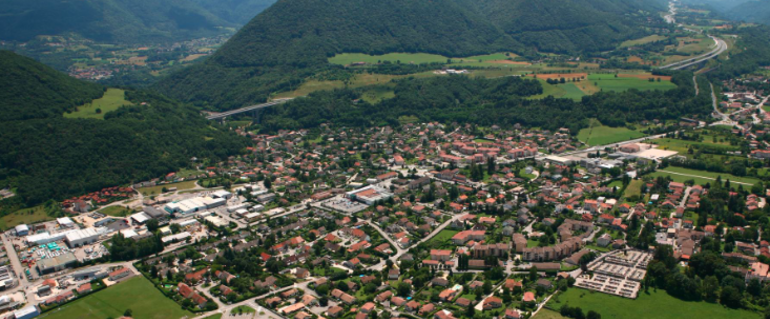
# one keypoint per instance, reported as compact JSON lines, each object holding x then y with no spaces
{"x":657,"y":305}
{"x":608,"y":82}
{"x":136,"y":294}
{"x":112,"y":100}
{"x":598,"y":134}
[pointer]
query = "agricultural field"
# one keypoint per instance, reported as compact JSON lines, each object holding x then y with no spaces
{"x":567,"y":91}
{"x":24,"y":216}
{"x":624,"y":82}
{"x":157,"y":190}
{"x":645,"y":40}
{"x":112,"y":100}
{"x":598,"y":134}
{"x":679,"y":174}
{"x":419,"y":58}
{"x":137,"y":294}
{"x":655,"y":304}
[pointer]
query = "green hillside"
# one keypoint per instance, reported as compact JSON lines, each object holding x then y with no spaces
{"x":293,"y":39}
{"x":33,"y":90}
{"x":44,"y":155}
{"x":124,"y":21}
{"x":757,"y":11}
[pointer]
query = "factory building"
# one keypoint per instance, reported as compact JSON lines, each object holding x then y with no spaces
{"x":81,"y":237}
{"x":49,"y":265}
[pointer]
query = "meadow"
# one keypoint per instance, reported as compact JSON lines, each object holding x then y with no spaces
{"x":112,"y":100}
{"x":566,"y":91}
{"x":679,"y":174}
{"x":137,"y":294}
{"x":608,"y":82}
{"x":24,"y":216}
{"x":655,"y":304}
{"x":598,"y":134}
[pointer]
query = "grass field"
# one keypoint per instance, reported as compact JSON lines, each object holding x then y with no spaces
{"x":117,"y":211}
{"x":679,"y":174}
{"x":216,"y":316}
{"x":156,"y":190}
{"x":567,"y":91}
{"x":681,"y":146}
{"x":24,"y":216}
{"x":243,"y":309}
{"x":378,"y":93}
{"x":416,"y":58}
{"x":657,"y":305}
{"x":598,"y":134}
{"x":608,"y":82}
{"x":136,"y":294}
{"x":441,"y":239}
{"x":633,"y":188}
{"x":548,"y":314}
{"x":112,"y":100}
{"x":645,"y":40}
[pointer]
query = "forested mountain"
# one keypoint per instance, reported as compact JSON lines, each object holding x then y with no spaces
{"x":44,"y":155}
{"x":757,"y":11}
{"x":235,"y":11}
{"x":293,"y":38}
{"x":33,"y":90}
{"x":567,"y":26}
{"x":124,"y":21}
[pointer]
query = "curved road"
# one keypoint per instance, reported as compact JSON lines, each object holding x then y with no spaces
{"x":721,"y":47}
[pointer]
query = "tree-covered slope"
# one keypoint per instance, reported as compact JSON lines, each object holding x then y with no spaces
{"x":294,"y":38}
{"x":571,"y":25}
{"x":29,"y":89}
{"x":44,"y":156}
{"x":123,"y":21}
{"x":757,"y":11}
{"x":235,"y":11}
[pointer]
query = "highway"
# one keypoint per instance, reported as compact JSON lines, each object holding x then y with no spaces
{"x":721,"y":46}
{"x":222,"y":115}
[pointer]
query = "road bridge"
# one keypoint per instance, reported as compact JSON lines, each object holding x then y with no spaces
{"x":252,"y":108}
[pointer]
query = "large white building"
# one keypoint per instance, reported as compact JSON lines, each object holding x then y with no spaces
{"x":192,"y":205}
{"x":82,"y":237}
{"x":369,"y":194}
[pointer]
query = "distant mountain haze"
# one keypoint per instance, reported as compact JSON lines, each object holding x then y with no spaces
{"x":124,"y":21}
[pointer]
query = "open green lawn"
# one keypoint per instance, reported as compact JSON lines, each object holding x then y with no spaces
{"x":682,"y":146}
{"x":245,"y":309}
{"x":156,"y":190}
{"x":657,"y":305}
{"x":548,"y":314}
{"x":633,"y":188}
{"x":136,"y":294}
{"x":598,"y":134}
{"x":24,"y":216}
{"x":216,"y":316}
{"x":700,"y":177}
{"x":566,"y":91}
{"x":608,"y":82}
{"x":117,"y":211}
{"x":378,"y":93}
{"x":523,"y":173}
{"x":112,"y":100}
{"x":441,"y":239}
